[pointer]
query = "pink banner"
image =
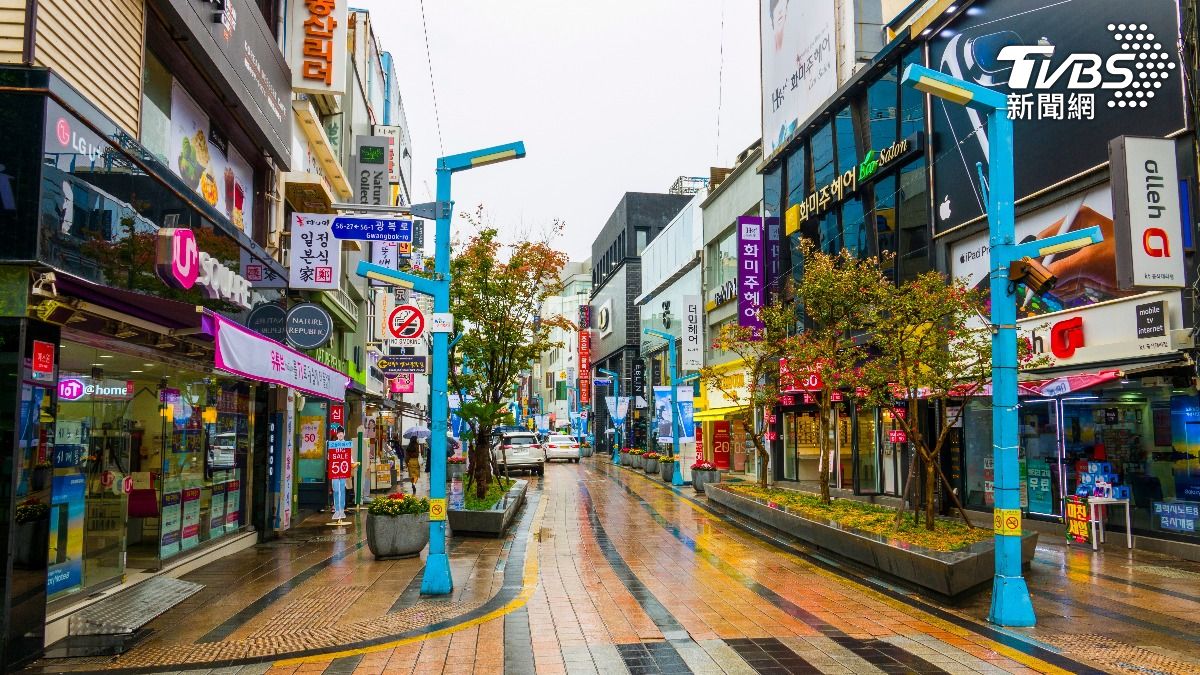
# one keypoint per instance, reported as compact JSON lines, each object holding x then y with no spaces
{"x":242,"y":351}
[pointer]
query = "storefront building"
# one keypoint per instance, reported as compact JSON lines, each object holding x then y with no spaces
{"x":1114,"y":408}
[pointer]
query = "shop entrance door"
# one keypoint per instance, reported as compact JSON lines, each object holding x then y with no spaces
{"x":866,"y":451}
{"x":1040,"y":455}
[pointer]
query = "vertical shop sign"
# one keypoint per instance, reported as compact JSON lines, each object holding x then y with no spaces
{"x":385,"y":254}
{"x":664,"y":416}
{"x":315,"y":262}
{"x":639,"y":377}
{"x":1075,"y":515}
{"x":171,"y":518}
{"x":370,"y":170}
{"x":693,"y":348}
{"x":750,"y":273}
{"x":259,"y":274}
{"x":772,"y":267}
{"x":287,"y":465}
{"x":216,"y":511}
{"x":687,"y":420}
{"x":337,"y":415}
{"x":1040,"y":497}
{"x":1146,"y":215}
{"x":722,"y":444}
{"x":585,"y":355}
{"x":191,"y":518}
{"x":318,"y":46}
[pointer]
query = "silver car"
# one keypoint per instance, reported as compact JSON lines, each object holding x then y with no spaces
{"x":519,"y":451}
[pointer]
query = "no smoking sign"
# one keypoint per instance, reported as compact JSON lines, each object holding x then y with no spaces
{"x":406,"y":322}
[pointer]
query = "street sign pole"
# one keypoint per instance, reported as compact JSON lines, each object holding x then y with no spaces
{"x":612,"y":414}
{"x":676,"y":381}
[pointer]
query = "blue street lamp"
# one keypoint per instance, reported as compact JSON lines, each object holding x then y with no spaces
{"x":616,"y":380}
{"x":1011,"y":605}
{"x":437,"y":579}
{"x":677,"y":476}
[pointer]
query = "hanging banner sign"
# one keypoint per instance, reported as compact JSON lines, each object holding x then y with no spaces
{"x":242,"y":352}
{"x":392,"y":365}
{"x":315,"y":260}
{"x":317,"y":35}
{"x":750,"y":271}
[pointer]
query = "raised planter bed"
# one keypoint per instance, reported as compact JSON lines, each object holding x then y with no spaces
{"x":949,"y":575}
{"x":700,"y":478}
{"x":493,"y":521}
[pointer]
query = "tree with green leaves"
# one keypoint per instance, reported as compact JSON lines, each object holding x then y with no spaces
{"x":840,"y":297}
{"x":757,"y":354}
{"x":932,"y":346}
{"x":496,"y":295}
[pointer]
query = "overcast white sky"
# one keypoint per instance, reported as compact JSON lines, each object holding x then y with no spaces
{"x":609,"y":97}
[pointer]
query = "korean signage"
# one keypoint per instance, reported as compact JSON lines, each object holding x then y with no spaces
{"x":799,"y":65}
{"x":693,"y":337}
{"x":317,"y":35}
{"x":202,"y":157}
{"x":1088,"y":76}
{"x":370,"y":170}
{"x":402,"y":383}
{"x":42,"y":363}
{"x":384,"y":254}
{"x":1146,"y":214}
{"x":338,"y":463}
{"x":751,"y":273}
{"x":826,"y":197}
{"x":242,"y":352}
{"x":181,"y":264}
{"x":391,"y":365}
{"x":374,"y":229}
{"x":585,"y":355}
{"x":1176,"y":516}
{"x":260,"y":274}
{"x":1078,"y":521}
{"x":315,"y":261}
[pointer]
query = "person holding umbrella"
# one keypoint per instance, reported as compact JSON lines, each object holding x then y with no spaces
{"x":412,"y":456}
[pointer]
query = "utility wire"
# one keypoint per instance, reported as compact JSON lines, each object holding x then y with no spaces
{"x":720,"y":86}
{"x":432,"y":87}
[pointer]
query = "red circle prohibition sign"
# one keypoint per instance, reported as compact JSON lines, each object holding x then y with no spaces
{"x":406,"y":321}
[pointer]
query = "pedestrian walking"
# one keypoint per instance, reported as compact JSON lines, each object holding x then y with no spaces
{"x":413,"y":458}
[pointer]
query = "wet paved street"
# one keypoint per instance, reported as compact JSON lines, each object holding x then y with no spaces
{"x":608,"y":571}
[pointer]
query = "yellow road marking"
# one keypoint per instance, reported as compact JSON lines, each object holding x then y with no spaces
{"x":1015,"y":655}
{"x":528,"y":585}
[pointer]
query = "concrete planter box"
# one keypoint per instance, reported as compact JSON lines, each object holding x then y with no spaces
{"x":650,"y":465}
{"x":702,"y":478}
{"x":586,"y":450}
{"x":666,"y":470}
{"x":397,"y":536}
{"x":625,"y":459}
{"x":636,"y":461}
{"x":493,"y":521}
{"x":948,"y":575}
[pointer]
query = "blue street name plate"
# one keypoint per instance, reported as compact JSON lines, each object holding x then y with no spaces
{"x":372,"y":229}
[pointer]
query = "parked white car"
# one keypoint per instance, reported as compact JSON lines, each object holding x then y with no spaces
{"x":561,"y":447}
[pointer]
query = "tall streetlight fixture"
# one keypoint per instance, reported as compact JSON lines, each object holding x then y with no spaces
{"x":1011,"y":605}
{"x":612,"y":416}
{"x":677,"y":476}
{"x":437,"y":579}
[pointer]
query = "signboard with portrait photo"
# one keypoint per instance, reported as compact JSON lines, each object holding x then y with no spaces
{"x":1075,"y":70}
{"x":799,"y":65}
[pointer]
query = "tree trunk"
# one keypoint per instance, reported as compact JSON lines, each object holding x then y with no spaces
{"x":908,"y":481}
{"x":931,"y":484}
{"x":764,"y":457}
{"x":481,"y":461}
{"x":824,"y":461}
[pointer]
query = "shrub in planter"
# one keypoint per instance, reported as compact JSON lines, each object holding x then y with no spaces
{"x":455,"y":466}
{"x":397,"y":525}
{"x":704,"y":473}
{"x":650,"y":462}
{"x":666,"y":467}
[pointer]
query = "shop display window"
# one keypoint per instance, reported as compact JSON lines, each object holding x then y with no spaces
{"x":149,"y":461}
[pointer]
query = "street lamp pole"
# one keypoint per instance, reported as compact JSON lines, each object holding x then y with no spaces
{"x":437,"y":579}
{"x":677,"y":476}
{"x":1011,"y":604}
{"x":612,"y":416}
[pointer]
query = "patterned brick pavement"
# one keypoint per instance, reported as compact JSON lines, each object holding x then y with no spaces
{"x":608,"y":571}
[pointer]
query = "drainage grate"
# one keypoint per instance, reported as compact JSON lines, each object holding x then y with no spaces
{"x":1121,"y":656}
{"x":131,"y":609}
{"x":1168,"y":572}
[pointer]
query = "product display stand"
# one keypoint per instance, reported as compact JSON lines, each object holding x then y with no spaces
{"x":1098,"y":526}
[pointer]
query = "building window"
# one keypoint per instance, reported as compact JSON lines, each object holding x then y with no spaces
{"x":847,"y":144}
{"x":882,"y":102}
{"x":797,"y":173}
{"x":722,"y":266}
{"x":643,"y":238}
{"x":822,"y":155}
{"x":914,"y":223}
{"x":912,"y":102}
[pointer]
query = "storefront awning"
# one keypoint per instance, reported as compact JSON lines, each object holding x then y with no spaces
{"x":139,"y":309}
{"x":244,"y":352}
{"x":718,"y":413}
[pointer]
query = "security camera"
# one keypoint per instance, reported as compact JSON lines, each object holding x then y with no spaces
{"x":1033,"y":274}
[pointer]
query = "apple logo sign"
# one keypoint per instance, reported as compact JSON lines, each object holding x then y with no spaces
{"x":944,"y":209}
